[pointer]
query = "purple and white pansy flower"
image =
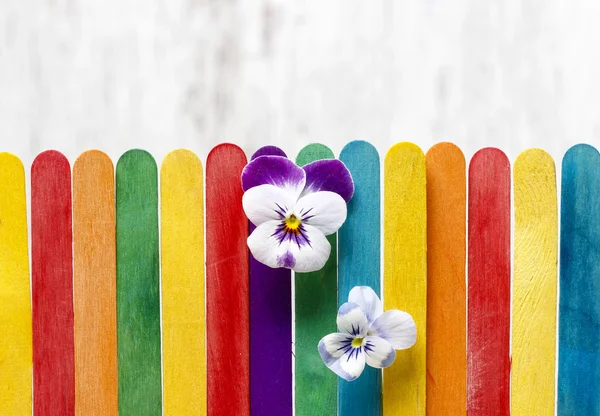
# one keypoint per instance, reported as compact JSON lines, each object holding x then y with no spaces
{"x":294,"y":209}
{"x":367,"y":335}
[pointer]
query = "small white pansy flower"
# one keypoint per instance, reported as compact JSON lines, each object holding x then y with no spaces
{"x":367,"y":335}
{"x":294,"y":209}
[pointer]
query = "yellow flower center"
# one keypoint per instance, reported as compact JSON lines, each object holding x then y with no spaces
{"x":357,"y":342}
{"x":292,"y":223}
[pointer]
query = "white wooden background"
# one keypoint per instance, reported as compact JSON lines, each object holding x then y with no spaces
{"x":162,"y":74}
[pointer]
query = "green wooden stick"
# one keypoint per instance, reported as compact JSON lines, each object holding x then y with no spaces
{"x":316,"y":311}
{"x":138,"y":305}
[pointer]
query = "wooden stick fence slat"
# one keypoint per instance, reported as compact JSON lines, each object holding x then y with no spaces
{"x":579,"y":306}
{"x":138,"y":305}
{"x":316,"y":309}
{"x":16,"y":360}
{"x":182,"y":260}
{"x":52,"y":285}
{"x":489,"y":284}
{"x":405,"y":273}
{"x":534,"y":284}
{"x":227,"y":296}
{"x":446,"y":281}
{"x":94,"y":285}
{"x":109,"y":261}
{"x":359,"y":253}
{"x":270,"y":332}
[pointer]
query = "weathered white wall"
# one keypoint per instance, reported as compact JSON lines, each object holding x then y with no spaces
{"x":162,"y":74}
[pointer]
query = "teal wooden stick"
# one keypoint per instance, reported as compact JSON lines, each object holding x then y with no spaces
{"x":579,"y":305}
{"x":359,"y":251}
{"x":138,"y":305}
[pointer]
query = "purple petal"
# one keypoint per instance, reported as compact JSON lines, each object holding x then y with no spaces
{"x":329,"y":175}
{"x":268,"y":151}
{"x":274,"y":170}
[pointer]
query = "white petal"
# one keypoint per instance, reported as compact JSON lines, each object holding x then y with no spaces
{"x":379,"y":352}
{"x":267,"y":248}
{"x":367,"y":299}
{"x":262,"y":243}
{"x":353,"y":363}
{"x":264,"y":203}
{"x":308,"y":257}
{"x":332,"y":347}
{"x":396,"y":327}
{"x":324,"y":210}
{"x":352,"y":320}
{"x":349,"y":367}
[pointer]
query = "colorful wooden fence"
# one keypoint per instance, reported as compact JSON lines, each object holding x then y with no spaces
{"x":114,"y":322}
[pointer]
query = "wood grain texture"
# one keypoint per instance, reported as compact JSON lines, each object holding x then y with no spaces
{"x":488,"y":351}
{"x":316,"y":311}
{"x":535,"y":256}
{"x":405,"y":273}
{"x":138,"y":304}
{"x":95,"y":285}
{"x":359,"y":264}
{"x":227,"y":297}
{"x":52,"y":286}
{"x":270,"y":319}
{"x":446,"y":281}
{"x":15,"y":313}
{"x":182,"y":281}
{"x":579,"y":306}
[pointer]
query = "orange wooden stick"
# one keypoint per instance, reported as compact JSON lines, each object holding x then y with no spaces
{"x":446,"y":291}
{"x":94,"y":285}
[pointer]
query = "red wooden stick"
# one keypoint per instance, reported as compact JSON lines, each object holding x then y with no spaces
{"x":227,"y":301}
{"x":489,"y":284}
{"x":52,"y":286}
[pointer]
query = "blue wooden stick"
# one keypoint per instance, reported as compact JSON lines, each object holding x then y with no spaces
{"x":359,"y":265}
{"x":579,"y":307}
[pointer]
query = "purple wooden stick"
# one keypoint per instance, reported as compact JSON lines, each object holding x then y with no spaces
{"x":270,"y":332}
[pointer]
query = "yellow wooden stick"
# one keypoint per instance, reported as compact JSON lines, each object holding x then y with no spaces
{"x":405,"y":273}
{"x":534,"y":285}
{"x":183,"y":320}
{"x":15,"y":305}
